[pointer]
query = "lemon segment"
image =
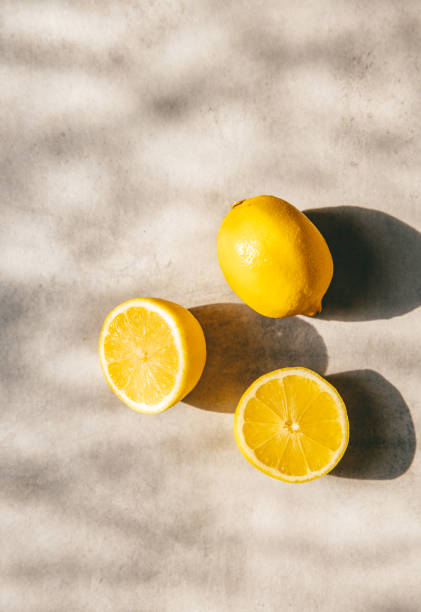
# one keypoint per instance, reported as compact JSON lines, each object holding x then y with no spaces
{"x":292,"y":425}
{"x":152,"y":353}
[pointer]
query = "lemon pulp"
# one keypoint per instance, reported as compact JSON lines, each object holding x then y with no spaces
{"x":292,"y":425}
{"x":152,"y":353}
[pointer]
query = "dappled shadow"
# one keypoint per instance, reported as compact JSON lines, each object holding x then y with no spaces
{"x":77,"y":569}
{"x":242,"y":345}
{"x":382,"y":436}
{"x":377,"y":263}
{"x":127,"y":128}
{"x":395,"y":605}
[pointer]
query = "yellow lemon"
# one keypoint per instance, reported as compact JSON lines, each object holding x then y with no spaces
{"x":152,"y":353}
{"x":292,"y":425}
{"x":274,"y":258}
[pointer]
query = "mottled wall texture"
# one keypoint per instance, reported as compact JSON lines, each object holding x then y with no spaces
{"x":127,"y":128}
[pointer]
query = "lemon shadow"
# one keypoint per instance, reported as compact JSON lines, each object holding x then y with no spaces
{"x":242,"y":345}
{"x":377,"y":262}
{"x":382,"y":438}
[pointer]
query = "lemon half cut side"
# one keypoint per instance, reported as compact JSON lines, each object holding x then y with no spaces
{"x":152,"y":353}
{"x":292,"y":425}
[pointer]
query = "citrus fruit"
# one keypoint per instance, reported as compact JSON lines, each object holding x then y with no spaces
{"x":152,"y":353}
{"x":274,"y":258}
{"x":292,"y":425}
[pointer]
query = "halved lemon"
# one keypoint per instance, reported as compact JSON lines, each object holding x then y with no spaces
{"x":292,"y":425}
{"x":152,"y":353}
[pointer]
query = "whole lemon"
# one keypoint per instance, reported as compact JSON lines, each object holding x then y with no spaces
{"x":274,"y":258}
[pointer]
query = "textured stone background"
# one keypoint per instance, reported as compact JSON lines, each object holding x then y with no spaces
{"x":127,"y":129}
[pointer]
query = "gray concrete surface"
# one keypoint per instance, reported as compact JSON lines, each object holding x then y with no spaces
{"x":127,"y":129}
